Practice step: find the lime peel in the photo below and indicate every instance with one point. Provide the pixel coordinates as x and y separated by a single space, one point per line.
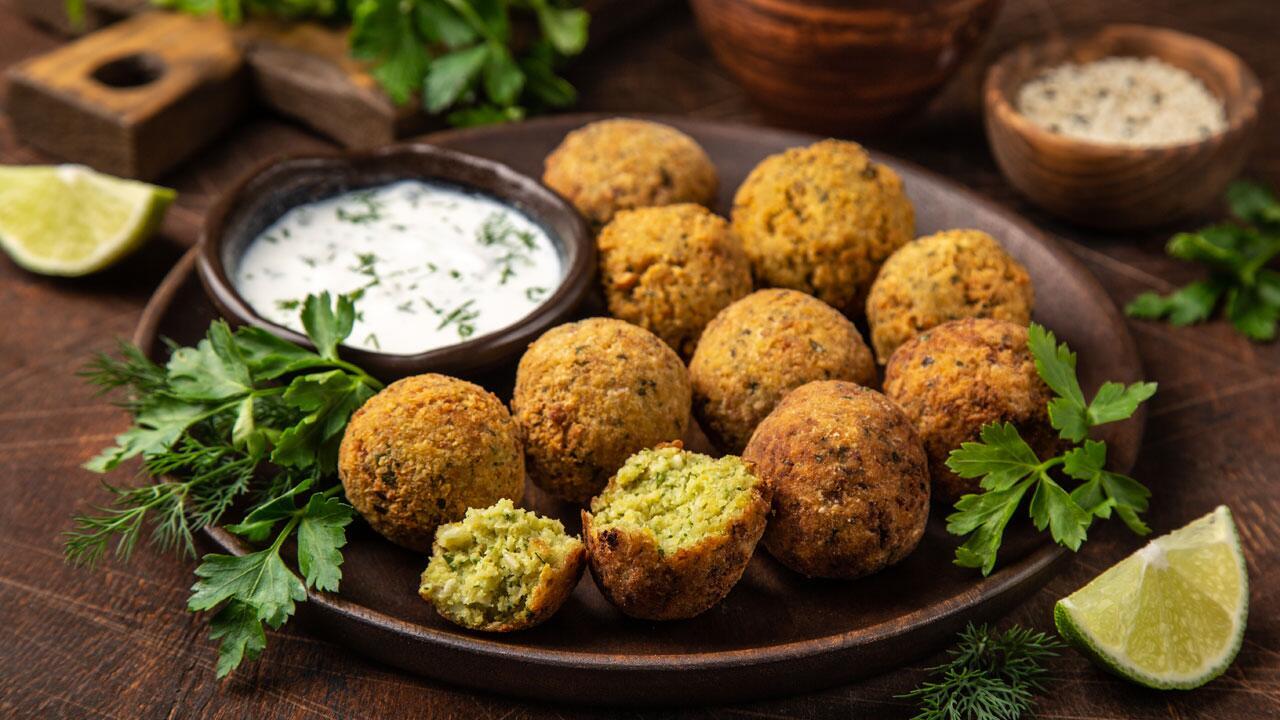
70 220
1169 616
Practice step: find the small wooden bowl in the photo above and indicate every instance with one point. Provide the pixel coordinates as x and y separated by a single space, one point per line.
843 66
1118 186
267 193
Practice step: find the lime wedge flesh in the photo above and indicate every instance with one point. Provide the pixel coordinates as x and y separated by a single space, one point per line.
1171 615
70 220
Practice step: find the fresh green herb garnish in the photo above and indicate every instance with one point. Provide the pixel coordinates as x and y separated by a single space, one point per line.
1009 468
241 413
463 317
991 676
458 55
368 209
497 231
293 304
1236 255
534 294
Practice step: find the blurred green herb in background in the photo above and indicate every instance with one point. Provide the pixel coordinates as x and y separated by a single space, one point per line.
462 58
1236 254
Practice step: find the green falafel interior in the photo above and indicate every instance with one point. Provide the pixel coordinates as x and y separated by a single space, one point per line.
679 497
486 570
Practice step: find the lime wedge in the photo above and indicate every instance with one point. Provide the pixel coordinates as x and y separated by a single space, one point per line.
70 220
1171 615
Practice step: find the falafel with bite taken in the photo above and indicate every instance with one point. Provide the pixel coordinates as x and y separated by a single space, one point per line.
422 451
850 480
623 164
671 269
822 219
591 393
960 376
762 347
949 275
673 531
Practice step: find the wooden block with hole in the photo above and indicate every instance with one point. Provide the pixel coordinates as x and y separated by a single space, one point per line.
133 99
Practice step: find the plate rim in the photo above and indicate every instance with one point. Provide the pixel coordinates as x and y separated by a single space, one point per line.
1006 581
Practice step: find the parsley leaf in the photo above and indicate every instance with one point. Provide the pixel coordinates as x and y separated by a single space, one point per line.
1009 468
321 535
451 75
326 324
1236 255
238 627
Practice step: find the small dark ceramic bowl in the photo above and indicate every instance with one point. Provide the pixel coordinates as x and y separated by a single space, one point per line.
263 196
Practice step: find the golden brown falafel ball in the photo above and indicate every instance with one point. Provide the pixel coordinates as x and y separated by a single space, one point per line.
422 451
589 394
762 347
960 376
850 480
945 276
622 164
822 219
671 269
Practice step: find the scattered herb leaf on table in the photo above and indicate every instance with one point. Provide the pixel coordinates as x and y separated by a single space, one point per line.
1236 254
240 414
1009 468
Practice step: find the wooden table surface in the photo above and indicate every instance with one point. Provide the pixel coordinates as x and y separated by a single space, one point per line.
116 642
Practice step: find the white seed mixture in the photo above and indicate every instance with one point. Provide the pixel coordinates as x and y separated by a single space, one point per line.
1123 100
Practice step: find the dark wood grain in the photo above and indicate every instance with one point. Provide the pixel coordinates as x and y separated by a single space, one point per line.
115 643
1114 186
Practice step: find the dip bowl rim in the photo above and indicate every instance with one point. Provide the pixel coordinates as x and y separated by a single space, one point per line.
354 169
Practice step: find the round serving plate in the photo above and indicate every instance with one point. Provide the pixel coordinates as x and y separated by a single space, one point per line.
776 633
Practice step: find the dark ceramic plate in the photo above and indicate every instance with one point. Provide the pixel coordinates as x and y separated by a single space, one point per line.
776 633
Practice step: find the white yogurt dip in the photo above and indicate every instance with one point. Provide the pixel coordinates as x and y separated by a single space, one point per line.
429 265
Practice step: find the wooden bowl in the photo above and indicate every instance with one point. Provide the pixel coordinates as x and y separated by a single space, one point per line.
843 66
263 196
1117 186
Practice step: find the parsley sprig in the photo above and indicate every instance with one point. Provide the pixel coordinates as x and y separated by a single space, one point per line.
1236 254
239 414
991 676
1009 468
459 55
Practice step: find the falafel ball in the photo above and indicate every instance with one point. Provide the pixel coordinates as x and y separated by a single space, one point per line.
850 480
945 276
961 375
622 164
422 451
673 531
671 269
822 219
762 347
589 394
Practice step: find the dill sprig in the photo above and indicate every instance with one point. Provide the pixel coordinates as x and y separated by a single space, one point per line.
991 676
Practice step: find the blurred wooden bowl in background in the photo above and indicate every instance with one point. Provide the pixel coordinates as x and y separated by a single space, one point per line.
843 66
1119 186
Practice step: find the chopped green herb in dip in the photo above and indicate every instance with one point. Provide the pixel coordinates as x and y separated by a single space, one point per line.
431 265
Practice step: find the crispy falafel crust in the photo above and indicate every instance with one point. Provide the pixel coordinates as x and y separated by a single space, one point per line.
945 276
633 575
961 375
671 269
554 588
622 164
760 348
822 219
588 395
850 480
422 451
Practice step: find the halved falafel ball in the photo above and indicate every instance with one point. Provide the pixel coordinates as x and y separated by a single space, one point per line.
422 451
946 276
501 569
622 164
850 480
760 348
588 395
673 531
960 376
671 269
822 219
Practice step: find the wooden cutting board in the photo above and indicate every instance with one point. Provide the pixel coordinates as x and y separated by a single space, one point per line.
136 97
